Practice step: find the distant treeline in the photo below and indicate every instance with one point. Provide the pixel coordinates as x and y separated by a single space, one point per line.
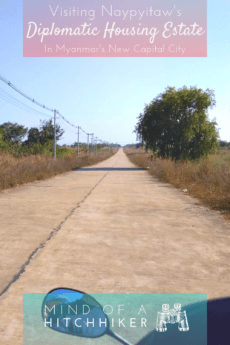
19 140
224 144
103 144
137 145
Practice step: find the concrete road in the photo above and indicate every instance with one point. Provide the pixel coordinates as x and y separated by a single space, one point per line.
111 230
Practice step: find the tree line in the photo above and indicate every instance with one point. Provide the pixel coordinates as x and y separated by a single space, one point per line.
18 139
38 139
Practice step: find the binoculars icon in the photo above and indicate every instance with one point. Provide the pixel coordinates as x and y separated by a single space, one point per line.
172 316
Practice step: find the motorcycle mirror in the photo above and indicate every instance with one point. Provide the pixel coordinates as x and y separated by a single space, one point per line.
74 312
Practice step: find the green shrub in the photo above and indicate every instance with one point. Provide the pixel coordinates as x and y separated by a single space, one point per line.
63 151
4 144
36 149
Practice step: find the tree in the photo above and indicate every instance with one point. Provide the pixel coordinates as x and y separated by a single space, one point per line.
43 134
13 132
33 136
4 144
47 131
175 124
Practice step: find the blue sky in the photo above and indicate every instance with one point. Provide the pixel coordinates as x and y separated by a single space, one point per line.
105 95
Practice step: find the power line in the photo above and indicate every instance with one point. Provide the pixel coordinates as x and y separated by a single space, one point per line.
83 130
66 120
71 123
15 102
23 94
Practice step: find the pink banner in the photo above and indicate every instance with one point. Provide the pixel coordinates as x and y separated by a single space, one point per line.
147 28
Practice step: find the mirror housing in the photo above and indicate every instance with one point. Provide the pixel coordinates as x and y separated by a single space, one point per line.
75 313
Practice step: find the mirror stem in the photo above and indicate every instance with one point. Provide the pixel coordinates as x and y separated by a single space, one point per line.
117 337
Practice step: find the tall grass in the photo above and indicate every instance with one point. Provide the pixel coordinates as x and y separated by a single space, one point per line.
207 180
19 170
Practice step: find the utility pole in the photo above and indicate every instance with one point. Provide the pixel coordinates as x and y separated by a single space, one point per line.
96 139
55 134
88 143
92 141
78 140
95 149
100 146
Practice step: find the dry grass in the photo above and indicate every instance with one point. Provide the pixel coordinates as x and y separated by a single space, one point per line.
19 170
207 180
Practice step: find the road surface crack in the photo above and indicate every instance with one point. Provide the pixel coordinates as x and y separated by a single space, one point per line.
51 235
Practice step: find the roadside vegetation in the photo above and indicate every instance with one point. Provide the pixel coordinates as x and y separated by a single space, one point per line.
180 146
23 161
208 179
15 171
